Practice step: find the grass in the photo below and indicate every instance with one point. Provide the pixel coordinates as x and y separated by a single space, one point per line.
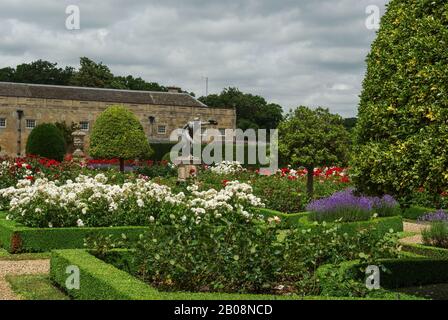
35 287
434 291
5 255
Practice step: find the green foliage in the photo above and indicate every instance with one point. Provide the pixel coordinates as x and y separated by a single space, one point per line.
427 251
436 235
312 138
249 256
252 111
102 281
39 72
402 128
117 133
157 170
46 140
17 238
67 131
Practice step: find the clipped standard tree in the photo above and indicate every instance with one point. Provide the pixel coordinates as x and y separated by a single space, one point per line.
312 138
117 134
402 132
46 140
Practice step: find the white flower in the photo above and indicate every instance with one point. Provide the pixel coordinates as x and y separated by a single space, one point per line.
151 219
140 203
80 223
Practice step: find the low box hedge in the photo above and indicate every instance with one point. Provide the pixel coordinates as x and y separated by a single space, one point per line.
415 212
383 225
426 251
400 273
16 238
102 281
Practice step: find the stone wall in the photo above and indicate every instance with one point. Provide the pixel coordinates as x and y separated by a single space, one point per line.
51 111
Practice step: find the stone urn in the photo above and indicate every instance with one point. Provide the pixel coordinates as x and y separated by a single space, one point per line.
78 143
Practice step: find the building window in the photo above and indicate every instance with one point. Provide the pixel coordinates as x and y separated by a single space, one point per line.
161 129
2 122
84 125
30 123
222 132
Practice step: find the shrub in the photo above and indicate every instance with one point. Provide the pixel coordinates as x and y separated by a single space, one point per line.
347 206
313 138
164 170
46 140
239 253
117 133
402 127
439 215
436 235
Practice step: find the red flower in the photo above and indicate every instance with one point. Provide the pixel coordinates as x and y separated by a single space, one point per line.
225 182
29 178
345 179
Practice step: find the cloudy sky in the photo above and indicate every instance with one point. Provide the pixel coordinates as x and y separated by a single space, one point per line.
293 52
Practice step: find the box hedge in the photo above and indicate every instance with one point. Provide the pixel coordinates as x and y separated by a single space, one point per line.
426 251
17 238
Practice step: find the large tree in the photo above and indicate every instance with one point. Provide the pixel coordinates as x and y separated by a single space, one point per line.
402 131
312 138
252 111
117 134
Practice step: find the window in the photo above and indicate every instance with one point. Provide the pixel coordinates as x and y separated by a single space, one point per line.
30 123
2 122
161 129
84 125
222 132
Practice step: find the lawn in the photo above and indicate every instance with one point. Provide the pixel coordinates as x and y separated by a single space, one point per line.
35 287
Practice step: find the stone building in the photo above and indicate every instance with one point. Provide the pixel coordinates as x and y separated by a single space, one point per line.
23 106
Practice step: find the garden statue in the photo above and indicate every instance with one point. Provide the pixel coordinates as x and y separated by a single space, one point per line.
187 163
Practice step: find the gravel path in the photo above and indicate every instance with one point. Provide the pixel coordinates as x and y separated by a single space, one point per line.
24 267
413 227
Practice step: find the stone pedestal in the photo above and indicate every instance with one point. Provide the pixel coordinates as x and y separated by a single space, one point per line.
186 167
78 143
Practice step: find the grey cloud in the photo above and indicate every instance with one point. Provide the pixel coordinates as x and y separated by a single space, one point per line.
291 52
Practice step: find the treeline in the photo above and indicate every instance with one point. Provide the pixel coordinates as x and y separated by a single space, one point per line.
252 111
89 74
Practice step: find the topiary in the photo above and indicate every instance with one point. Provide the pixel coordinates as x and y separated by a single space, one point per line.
402 131
46 140
117 133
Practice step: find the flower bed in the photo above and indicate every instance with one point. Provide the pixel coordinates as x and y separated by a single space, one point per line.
103 281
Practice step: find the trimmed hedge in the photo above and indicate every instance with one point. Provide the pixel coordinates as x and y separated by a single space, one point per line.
426 251
17 238
301 220
415 212
102 281
401 273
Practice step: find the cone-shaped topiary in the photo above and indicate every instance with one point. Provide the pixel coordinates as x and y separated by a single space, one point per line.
117 134
46 140
402 132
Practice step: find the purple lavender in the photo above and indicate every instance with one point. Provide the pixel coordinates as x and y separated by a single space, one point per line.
437 216
347 206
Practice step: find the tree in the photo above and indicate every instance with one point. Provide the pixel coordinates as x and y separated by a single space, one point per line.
402 130
46 140
92 74
252 111
117 133
38 72
312 138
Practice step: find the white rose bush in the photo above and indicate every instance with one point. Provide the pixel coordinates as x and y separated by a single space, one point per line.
93 202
